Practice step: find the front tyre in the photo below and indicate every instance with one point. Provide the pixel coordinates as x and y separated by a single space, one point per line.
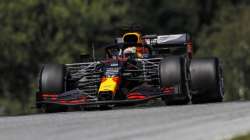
52 80
173 73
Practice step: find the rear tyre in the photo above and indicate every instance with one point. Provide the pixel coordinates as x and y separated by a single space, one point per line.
52 80
173 73
206 80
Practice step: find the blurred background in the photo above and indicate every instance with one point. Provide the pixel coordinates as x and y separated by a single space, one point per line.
34 32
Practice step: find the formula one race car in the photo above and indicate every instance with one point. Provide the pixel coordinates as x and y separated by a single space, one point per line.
137 68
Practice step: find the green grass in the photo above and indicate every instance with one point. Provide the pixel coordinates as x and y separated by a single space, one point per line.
243 137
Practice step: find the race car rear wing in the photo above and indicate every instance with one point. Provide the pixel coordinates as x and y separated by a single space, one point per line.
174 39
178 44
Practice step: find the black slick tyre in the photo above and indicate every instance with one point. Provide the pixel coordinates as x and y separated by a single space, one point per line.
173 73
52 80
206 80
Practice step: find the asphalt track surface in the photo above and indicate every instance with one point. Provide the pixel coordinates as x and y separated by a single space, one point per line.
190 122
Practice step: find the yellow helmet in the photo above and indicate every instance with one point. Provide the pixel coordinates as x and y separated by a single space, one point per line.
132 37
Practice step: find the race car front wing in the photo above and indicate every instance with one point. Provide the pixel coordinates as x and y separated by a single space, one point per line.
77 98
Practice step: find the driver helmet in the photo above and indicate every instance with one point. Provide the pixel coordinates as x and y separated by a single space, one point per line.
135 45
